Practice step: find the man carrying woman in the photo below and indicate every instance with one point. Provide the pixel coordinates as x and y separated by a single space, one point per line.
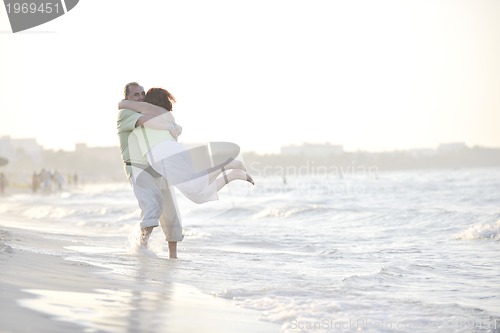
174 161
156 200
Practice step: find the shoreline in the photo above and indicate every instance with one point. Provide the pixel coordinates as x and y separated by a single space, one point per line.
44 292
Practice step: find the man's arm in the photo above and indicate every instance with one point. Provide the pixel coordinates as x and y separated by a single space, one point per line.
152 116
161 122
141 107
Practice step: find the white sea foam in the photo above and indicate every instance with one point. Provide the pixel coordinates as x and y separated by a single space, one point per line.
388 254
481 231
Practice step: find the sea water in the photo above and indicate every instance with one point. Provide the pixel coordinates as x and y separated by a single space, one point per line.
412 251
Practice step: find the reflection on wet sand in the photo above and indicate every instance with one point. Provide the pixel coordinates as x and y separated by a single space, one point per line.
150 302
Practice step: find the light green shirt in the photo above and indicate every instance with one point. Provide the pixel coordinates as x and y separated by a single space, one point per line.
134 147
147 137
130 149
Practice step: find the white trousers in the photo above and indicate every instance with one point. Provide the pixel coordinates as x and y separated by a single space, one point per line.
173 161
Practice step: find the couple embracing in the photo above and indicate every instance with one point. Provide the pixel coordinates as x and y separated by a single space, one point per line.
155 162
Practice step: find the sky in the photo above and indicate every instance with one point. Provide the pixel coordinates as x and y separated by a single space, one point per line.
368 75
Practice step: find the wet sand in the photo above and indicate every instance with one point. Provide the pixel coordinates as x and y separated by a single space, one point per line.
41 291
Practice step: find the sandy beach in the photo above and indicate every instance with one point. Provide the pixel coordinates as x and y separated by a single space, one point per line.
403 252
41 291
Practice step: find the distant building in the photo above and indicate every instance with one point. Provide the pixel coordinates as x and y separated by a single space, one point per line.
312 149
80 147
422 152
96 162
99 156
452 147
20 149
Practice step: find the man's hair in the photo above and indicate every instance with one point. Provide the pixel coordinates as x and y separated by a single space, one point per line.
160 97
128 85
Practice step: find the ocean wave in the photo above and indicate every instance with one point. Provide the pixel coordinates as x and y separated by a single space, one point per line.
193 233
82 204
294 313
379 315
480 231
42 212
293 211
235 212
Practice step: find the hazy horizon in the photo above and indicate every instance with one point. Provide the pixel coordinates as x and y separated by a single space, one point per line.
374 76
345 149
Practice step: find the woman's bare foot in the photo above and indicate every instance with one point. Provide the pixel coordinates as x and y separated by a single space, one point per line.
233 175
250 179
240 174
235 164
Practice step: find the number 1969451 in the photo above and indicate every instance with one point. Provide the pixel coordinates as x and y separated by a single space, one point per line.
32 8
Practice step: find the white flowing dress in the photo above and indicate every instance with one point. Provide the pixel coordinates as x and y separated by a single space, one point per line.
173 161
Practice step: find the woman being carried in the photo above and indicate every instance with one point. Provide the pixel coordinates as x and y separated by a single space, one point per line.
174 161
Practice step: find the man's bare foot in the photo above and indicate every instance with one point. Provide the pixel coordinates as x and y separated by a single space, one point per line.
172 250
145 233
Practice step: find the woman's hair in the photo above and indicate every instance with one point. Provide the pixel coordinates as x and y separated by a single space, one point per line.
160 97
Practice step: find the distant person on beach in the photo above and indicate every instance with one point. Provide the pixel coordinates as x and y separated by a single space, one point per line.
156 200
58 179
45 181
3 183
35 181
172 160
